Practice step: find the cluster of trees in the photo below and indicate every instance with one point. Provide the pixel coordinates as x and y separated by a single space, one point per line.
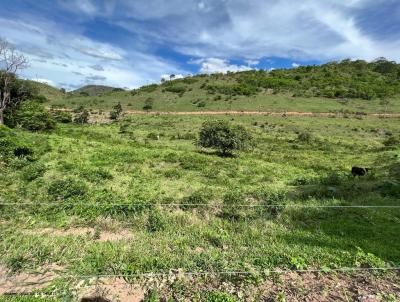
345 79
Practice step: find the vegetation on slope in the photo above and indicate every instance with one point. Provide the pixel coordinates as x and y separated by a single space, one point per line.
46 91
347 85
120 177
94 90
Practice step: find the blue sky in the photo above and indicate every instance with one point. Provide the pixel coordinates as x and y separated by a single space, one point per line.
125 43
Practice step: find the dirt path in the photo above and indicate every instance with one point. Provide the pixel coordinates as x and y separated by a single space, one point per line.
236 112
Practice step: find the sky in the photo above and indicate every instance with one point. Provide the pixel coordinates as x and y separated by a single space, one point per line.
129 43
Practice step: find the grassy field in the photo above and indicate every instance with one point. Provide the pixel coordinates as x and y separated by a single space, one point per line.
190 100
179 207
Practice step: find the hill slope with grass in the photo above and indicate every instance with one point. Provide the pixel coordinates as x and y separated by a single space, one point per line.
49 92
94 90
355 86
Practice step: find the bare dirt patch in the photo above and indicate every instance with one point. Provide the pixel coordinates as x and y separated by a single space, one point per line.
97 235
111 289
26 282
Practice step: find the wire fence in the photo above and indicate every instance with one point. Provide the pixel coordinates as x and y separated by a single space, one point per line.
203 205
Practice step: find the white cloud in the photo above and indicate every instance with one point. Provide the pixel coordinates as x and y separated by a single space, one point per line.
216 65
44 81
295 65
70 58
301 30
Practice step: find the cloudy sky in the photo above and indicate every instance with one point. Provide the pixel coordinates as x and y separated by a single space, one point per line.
128 43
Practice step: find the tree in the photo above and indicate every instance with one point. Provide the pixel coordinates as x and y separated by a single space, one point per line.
116 112
81 115
224 137
148 104
10 63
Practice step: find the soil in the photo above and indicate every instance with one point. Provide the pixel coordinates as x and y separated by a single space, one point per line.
288 286
89 232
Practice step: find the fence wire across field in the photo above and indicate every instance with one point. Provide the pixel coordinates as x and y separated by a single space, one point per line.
202 205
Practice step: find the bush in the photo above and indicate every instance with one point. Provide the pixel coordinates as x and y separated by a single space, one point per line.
33 171
273 200
116 112
231 201
180 89
305 137
31 116
196 199
148 104
81 116
62 189
224 137
156 221
62 117
392 141
96 175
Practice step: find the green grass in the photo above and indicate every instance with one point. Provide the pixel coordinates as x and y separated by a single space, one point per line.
196 97
84 173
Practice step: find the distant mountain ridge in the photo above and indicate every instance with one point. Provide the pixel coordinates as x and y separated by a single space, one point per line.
94 90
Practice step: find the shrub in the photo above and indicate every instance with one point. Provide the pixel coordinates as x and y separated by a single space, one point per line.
156 221
231 201
62 117
116 112
180 89
31 116
33 171
148 104
196 199
392 141
96 175
62 189
81 116
201 104
272 198
224 137
305 137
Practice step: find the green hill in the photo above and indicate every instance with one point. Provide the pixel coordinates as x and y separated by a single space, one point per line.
49 92
346 85
94 90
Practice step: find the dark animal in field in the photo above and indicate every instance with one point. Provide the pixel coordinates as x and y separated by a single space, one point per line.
359 171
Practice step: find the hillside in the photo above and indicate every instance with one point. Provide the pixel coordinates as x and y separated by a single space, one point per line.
345 86
50 92
93 90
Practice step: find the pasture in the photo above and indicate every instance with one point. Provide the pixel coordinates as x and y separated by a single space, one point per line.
138 196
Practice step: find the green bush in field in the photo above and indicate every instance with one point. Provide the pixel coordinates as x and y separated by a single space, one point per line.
392 141
81 116
231 204
11 147
156 221
196 199
176 89
32 116
62 189
116 112
96 175
148 104
224 137
304 136
33 171
62 117
271 199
